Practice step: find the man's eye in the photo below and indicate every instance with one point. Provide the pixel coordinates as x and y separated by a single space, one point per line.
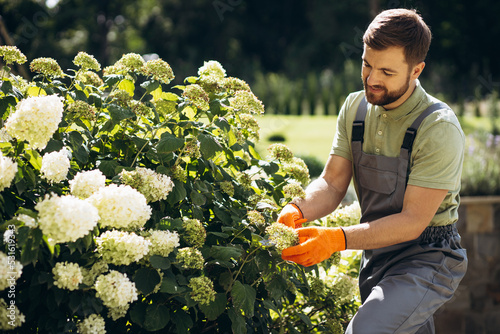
388 74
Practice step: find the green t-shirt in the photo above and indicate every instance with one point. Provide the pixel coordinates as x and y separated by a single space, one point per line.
437 156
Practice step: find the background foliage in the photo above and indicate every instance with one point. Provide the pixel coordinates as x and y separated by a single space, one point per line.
286 37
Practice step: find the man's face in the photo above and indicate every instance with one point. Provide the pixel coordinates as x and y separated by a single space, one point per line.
387 77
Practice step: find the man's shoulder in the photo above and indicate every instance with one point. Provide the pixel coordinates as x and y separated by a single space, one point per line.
444 114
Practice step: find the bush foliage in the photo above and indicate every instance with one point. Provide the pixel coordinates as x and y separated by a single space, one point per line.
146 207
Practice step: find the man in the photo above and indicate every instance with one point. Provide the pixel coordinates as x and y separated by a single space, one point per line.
407 182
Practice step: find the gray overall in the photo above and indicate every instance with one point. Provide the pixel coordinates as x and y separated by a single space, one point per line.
403 285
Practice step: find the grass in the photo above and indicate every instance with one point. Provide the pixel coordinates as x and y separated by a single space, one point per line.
305 135
313 135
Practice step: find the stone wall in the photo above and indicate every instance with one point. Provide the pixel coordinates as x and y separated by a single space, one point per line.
475 308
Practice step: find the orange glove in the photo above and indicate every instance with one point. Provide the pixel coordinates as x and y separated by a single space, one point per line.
316 244
291 216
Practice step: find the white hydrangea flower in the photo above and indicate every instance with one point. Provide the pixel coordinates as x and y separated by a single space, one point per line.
152 185
116 313
4 136
27 220
66 218
282 236
9 268
8 170
115 289
89 275
345 216
121 207
5 321
84 184
35 120
212 68
55 166
67 275
162 242
93 324
121 248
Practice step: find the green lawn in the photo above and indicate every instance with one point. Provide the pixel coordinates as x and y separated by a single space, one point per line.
305 135
312 135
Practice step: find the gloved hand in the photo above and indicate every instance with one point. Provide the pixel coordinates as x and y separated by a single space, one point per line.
291 216
316 244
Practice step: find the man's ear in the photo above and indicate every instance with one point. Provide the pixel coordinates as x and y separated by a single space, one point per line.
417 70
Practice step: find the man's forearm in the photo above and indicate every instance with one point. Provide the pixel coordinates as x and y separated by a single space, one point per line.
321 199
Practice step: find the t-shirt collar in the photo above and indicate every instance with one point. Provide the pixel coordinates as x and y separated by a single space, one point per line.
406 107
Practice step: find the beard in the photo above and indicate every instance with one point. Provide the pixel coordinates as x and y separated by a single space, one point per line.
386 97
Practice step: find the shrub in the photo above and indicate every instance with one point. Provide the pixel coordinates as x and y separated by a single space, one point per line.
153 213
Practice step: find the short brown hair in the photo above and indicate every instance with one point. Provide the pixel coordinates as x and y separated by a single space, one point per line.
400 27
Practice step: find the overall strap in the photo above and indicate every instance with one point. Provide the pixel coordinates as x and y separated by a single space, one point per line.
358 126
411 132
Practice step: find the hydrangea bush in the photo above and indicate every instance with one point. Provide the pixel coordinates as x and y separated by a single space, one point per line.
129 206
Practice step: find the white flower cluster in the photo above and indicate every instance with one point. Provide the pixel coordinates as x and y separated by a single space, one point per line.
89 275
121 207
121 248
162 242
93 324
66 218
84 184
9 268
152 185
7 314
27 220
212 68
115 289
55 166
345 216
194 232
282 236
36 119
4 136
8 170
335 283
202 290
67 275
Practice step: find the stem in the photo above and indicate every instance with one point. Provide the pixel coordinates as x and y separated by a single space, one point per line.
244 262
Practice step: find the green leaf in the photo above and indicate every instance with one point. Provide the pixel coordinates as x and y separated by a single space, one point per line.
238 324
6 87
244 298
177 194
191 80
138 313
208 145
160 262
139 142
305 319
214 309
112 79
81 154
182 321
5 102
150 85
127 86
169 285
169 143
107 167
75 139
197 198
118 113
225 253
157 317
146 280
276 287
